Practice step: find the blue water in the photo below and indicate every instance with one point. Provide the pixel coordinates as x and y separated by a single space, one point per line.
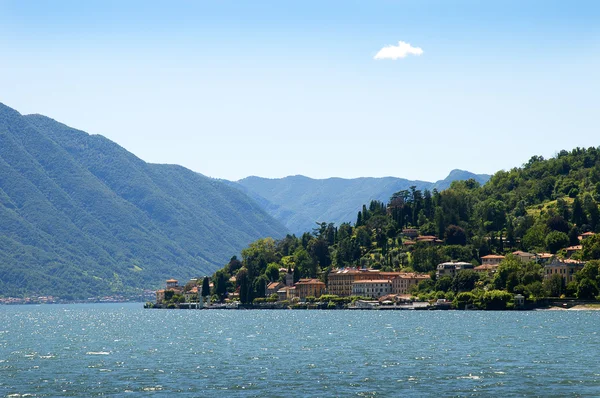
122 349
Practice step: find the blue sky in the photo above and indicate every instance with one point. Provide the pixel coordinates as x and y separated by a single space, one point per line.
276 88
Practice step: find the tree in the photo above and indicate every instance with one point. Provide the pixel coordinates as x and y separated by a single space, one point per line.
587 289
455 235
233 265
556 241
272 272
220 283
464 281
205 287
496 300
591 247
554 285
243 281
558 223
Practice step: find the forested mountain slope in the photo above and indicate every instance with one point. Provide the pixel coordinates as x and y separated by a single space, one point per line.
299 202
80 216
546 211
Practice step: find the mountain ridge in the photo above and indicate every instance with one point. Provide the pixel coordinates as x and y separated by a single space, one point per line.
79 208
333 199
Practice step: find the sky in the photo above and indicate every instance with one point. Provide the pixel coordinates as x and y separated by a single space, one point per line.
347 89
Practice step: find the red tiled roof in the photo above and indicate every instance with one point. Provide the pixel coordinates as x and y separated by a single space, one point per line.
493 256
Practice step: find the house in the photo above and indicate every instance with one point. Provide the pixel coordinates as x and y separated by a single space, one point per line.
192 295
544 258
491 259
160 296
273 287
172 283
565 268
524 256
172 288
573 249
309 288
429 239
402 283
487 268
372 288
286 293
585 235
450 268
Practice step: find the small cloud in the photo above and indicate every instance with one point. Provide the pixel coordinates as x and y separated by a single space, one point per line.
400 51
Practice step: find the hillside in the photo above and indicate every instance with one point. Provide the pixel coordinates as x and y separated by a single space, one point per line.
535 228
299 202
80 216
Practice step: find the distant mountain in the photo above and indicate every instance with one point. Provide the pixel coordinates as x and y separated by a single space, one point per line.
459 175
299 202
80 216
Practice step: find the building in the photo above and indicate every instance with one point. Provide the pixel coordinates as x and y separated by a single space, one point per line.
172 283
172 286
524 256
487 268
339 281
286 293
491 259
402 283
309 288
585 235
450 268
565 268
573 249
273 287
429 239
544 258
372 288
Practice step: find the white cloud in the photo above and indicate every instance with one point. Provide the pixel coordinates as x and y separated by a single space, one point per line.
400 51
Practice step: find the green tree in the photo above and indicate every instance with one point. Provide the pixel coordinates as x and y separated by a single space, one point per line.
272 272
591 247
205 287
556 240
455 235
464 281
587 289
220 283
554 286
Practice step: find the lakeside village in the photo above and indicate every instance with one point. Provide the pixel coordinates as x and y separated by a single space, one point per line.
356 288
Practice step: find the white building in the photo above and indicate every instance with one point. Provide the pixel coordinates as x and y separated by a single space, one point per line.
374 288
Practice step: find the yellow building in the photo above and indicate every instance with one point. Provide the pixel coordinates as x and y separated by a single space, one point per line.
401 284
309 288
565 268
491 259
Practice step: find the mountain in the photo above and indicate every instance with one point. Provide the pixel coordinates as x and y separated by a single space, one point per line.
80 216
299 202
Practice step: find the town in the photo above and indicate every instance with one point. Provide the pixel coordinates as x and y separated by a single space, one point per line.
363 288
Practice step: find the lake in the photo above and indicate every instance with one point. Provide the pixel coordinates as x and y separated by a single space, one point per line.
122 349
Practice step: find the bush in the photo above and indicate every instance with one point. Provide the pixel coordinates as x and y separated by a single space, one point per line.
496 300
463 299
331 305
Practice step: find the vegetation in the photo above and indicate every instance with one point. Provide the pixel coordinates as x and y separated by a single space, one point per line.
81 217
541 207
